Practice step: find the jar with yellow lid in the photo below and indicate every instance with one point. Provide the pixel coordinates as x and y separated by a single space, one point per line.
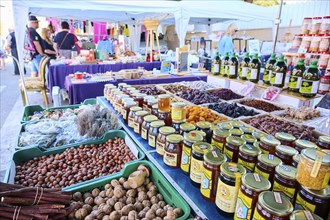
131 115
248 156
153 132
236 124
258 135
285 181
166 117
210 174
115 97
146 125
304 144
151 102
126 110
202 133
179 111
219 138
189 139
225 126
161 138
112 94
235 132
315 201
122 107
252 185
125 87
266 166
145 101
164 102
314 169
246 130
197 159
324 142
268 144
272 205
248 138
229 184
285 153
121 85
285 138
186 128
304 215
173 150
295 160
232 147
118 101
138 121
130 90
176 125
154 110
138 98
133 93
206 127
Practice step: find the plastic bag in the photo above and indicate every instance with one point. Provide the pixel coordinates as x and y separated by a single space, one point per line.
271 93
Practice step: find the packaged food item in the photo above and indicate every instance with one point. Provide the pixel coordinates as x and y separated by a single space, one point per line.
310 81
219 138
186 128
244 66
305 43
153 132
164 102
324 44
235 132
176 125
325 26
297 41
268 144
295 160
216 63
138 121
151 102
131 115
145 101
316 23
173 150
258 134
248 156
271 93
146 125
161 138
296 76
285 181
304 215
314 169
232 147
324 85
254 69
138 98
225 67
277 77
205 127
315 44
179 111
324 142
225 126
233 67
189 139
304 144
121 85
248 138
246 130
306 26
166 117
285 138
285 153
266 166
154 110
126 110
269 68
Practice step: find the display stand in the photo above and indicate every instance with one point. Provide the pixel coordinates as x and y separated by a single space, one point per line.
152 26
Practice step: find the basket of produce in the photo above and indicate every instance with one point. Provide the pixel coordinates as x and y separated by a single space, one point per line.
232 110
262 105
73 164
225 94
139 191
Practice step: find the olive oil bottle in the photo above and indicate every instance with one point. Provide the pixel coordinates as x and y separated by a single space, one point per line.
269 68
244 66
310 81
277 77
225 66
216 63
233 67
254 69
296 76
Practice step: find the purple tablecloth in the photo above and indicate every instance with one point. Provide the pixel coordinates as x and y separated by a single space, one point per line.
78 92
57 73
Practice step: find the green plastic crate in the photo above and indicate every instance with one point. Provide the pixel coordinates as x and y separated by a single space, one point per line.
24 155
171 196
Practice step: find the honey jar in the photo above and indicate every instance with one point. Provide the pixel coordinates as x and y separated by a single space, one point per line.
121 85
161 138
173 150
146 125
154 110
246 130
225 126
131 115
285 138
304 144
164 103
324 142
179 111
202 133
304 215
232 147
153 132
236 124
285 153
138 120
285 181
130 90
189 139
248 156
166 117
126 110
268 144
258 135
138 98
235 132
124 100
118 101
295 160
152 102
145 101
219 138
176 125
248 138
186 128
266 166
206 127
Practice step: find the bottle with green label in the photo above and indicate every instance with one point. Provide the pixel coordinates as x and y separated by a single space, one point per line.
277 77
269 68
244 66
233 67
225 66
310 81
215 68
254 69
296 76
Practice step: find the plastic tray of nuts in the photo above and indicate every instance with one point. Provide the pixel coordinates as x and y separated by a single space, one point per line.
170 195
22 156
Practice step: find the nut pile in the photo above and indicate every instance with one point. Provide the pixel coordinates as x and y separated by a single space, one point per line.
173 88
197 97
301 114
232 110
226 94
56 114
271 125
151 90
200 85
74 165
258 104
198 113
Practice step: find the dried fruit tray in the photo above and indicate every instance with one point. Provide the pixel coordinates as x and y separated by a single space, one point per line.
263 101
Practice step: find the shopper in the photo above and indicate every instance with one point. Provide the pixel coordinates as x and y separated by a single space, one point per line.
12 49
48 43
64 41
38 44
226 42
2 54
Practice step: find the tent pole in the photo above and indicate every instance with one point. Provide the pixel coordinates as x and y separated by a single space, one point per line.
277 22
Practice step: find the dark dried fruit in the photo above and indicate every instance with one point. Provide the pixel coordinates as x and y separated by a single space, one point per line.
265 106
226 94
232 110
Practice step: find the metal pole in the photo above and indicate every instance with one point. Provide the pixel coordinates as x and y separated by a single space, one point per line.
277 22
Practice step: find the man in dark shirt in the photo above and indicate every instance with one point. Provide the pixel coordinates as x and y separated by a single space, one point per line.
38 43
12 48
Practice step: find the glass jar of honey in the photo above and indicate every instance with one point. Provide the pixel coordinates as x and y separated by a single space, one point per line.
164 103
178 111
295 160
304 215
173 150
176 125
285 181
232 147
258 135
252 185
131 115
219 138
126 110
130 90
248 156
161 139
186 128
115 97
151 102
146 125
122 106
236 124
225 126
285 138
112 94
145 101
166 117
285 153
324 142
118 101
138 98
248 138
266 166
138 120
304 144
121 85
210 174
189 139
235 132
246 130
153 132
197 159
268 144
154 110
203 134
125 87
206 127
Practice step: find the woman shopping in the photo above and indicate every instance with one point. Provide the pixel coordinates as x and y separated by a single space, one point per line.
226 42
48 44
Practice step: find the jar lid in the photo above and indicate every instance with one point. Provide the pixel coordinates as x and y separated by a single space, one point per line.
275 203
269 159
286 171
307 18
124 96
283 149
187 127
201 133
305 144
284 136
155 106
270 140
236 124
179 104
248 138
255 182
317 18
127 99
314 154
230 169
214 158
166 130
323 193
193 137
122 84
164 96
203 125
250 149
135 108
235 132
148 97
141 113
174 138
140 95
130 103
157 124
225 126
296 158
134 92
201 147
221 133
152 102
258 134
304 215
150 118
246 130
325 139
237 141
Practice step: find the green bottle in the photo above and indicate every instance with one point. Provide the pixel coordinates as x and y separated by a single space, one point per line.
269 68
216 65
225 66
254 69
233 67
310 81
277 77
296 76
244 66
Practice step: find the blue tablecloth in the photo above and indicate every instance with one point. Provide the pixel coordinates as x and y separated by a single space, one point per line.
78 92
57 73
